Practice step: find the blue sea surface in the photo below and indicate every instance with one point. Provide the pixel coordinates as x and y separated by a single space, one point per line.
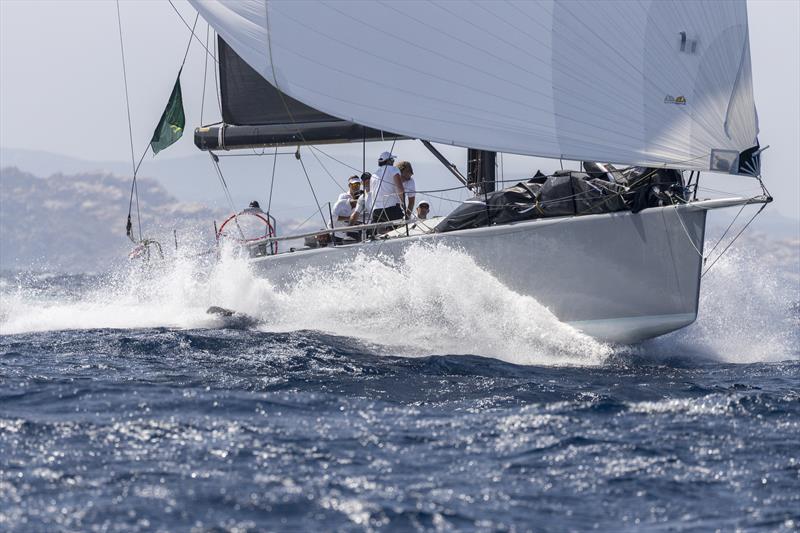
175 428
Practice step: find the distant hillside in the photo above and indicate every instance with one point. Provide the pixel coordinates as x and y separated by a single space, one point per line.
189 179
76 223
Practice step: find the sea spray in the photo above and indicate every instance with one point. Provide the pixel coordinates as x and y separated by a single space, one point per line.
432 300
748 312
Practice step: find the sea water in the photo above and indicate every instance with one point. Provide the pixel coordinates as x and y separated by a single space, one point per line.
419 394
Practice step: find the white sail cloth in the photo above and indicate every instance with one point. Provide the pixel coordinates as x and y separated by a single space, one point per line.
645 82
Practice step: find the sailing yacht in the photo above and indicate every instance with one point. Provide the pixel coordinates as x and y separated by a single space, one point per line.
658 85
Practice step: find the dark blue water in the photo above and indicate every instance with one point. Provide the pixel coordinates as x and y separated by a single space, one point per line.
154 429
124 407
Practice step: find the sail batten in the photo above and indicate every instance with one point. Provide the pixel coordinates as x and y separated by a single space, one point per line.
646 82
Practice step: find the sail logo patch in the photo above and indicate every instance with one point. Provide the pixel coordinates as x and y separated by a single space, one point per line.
677 100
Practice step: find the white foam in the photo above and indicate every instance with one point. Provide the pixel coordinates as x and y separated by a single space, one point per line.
434 301
748 310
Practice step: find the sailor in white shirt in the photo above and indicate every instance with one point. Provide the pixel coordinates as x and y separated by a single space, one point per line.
409 186
386 190
361 213
343 208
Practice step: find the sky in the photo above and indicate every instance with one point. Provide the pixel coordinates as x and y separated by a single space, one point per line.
62 90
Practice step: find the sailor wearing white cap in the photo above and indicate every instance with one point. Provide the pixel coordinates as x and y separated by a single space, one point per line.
362 213
387 190
423 208
343 207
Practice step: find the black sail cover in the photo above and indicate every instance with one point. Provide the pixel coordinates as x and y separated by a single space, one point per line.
565 193
255 113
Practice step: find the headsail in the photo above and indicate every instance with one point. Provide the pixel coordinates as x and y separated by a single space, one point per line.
646 82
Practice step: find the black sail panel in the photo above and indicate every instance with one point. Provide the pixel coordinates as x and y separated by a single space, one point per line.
255 113
250 100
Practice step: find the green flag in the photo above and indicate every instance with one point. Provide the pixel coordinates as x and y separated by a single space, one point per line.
170 127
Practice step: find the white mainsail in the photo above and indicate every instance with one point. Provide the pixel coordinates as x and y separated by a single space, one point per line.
644 82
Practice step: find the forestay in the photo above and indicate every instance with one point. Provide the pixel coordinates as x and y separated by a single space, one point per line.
641 82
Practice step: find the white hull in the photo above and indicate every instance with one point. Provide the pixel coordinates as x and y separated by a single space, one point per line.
619 277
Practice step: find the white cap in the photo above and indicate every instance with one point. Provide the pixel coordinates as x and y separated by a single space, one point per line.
354 179
386 156
426 202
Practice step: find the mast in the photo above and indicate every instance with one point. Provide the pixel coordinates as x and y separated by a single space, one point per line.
481 170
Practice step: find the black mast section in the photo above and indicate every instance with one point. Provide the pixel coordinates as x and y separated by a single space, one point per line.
481 169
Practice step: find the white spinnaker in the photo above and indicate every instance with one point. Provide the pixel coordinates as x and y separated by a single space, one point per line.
636 82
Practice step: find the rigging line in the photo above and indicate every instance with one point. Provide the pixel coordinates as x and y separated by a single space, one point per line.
443 190
205 75
272 181
444 198
326 169
192 30
189 44
324 222
138 213
227 193
286 106
139 164
135 192
733 241
303 223
726 230
337 160
127 99
134 165
686 231
720 191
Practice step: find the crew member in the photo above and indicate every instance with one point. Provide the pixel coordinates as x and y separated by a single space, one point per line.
387 189
409 186
254 207
343 208
423 209
361 213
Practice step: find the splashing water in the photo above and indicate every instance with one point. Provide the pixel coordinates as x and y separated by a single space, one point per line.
749 312
434 300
